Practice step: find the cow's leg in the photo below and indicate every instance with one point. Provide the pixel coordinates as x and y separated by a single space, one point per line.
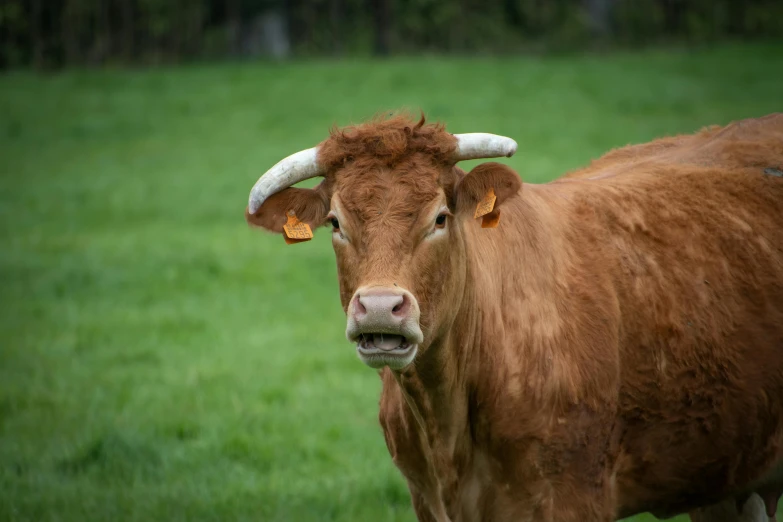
754 510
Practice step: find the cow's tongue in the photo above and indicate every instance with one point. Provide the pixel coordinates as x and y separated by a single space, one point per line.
386 342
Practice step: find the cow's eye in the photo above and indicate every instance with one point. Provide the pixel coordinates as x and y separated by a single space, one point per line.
335 224
440 222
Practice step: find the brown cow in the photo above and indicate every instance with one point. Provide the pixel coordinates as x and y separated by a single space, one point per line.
613 345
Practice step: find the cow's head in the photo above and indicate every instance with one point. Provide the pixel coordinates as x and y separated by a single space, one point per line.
398 209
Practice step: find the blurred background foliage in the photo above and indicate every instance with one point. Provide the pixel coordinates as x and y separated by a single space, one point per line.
56 33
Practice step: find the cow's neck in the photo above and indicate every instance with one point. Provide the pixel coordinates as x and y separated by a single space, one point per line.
439 389
504 269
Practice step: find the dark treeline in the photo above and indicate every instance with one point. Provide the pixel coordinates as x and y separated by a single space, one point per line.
54 33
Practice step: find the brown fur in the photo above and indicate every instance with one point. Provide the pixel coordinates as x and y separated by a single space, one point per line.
386 142
614 346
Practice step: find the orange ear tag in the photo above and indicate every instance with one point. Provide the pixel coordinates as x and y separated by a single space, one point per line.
485 209
296 231
491 220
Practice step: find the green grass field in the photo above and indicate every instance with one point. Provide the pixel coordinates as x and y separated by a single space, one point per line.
161 361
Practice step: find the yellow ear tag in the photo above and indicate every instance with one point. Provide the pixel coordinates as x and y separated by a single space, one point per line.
486 205
484 209
491 220
295 230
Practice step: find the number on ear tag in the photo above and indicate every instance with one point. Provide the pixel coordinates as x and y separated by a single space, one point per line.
296 231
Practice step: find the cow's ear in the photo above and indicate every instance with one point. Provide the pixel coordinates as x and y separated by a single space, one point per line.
307 206
475 192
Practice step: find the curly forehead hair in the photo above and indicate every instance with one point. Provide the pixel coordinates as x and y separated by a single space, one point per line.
388 140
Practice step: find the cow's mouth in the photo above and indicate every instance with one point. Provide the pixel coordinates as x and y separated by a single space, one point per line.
379 349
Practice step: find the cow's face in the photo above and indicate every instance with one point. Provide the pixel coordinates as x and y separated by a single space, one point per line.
400 258
399 235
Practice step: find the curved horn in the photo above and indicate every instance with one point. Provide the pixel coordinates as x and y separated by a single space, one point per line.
286 172
478 145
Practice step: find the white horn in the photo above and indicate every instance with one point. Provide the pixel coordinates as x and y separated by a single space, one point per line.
478 145
286 172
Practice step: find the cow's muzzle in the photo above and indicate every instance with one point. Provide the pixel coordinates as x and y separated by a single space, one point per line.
384 324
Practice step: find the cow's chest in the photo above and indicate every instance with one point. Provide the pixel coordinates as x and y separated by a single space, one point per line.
449 483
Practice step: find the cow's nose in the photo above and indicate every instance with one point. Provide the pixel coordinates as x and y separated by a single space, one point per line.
381 307
383 310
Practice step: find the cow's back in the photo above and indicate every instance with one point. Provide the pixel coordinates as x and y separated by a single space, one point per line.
692 230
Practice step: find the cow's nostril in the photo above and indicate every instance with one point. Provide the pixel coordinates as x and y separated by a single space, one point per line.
402 307
358 306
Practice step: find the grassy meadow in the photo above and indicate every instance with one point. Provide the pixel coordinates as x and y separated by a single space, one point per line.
161 361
